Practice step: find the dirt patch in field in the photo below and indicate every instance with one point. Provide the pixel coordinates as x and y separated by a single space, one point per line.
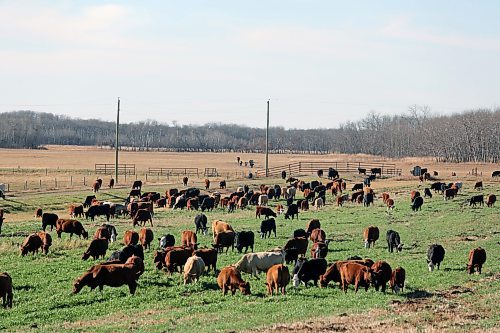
447 310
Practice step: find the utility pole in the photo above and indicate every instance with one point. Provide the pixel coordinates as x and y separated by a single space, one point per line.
116 140
267 141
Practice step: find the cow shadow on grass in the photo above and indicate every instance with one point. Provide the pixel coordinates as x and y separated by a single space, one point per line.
26 287
418 294
455 269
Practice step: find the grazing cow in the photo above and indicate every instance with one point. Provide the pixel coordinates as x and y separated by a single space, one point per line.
6 290
307 270
134 193
161 203
381 274
266 227
436 186
295 247
319 249
38 212
362 171
385 196
356 195
244 239
146 236
130 237
96 249
477 257
278 277
356 274
137 185
126 252
417 204
435 255
279 209
242 203
76 210
333 272
113 275
189 239
356 187
200 222
46 241
207 183
88 201
414 194
311 225
292 211
102 232
224 239
491 200
32 244
318 203
397 281
49 219
166 241
477 199
230 279
194 268
253 263
219 226
495 174
478 185
259 210
370 235
142 216
427 192
177 258
209 257
390 204
318 235
111 231
449 193
99 210
263 200
71 227
193 204
367 199
393 241
207 204
299 233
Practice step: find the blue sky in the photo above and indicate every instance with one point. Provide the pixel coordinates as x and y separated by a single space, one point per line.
320 63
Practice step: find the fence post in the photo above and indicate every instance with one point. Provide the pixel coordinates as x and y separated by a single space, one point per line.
40 184
26 185
55 182
84 184
71 181
46 171
8 187
146 178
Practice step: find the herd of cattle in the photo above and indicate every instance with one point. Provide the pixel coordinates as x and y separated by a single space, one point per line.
124 267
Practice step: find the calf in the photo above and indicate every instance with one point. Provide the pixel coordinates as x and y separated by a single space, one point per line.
130 237
356 274
277 279
193 269
417 204
6 290
477 257
230 279
491 200
209 257
307 270
46 241
185 181
435 255
266 227
189 239
397 281
49 219
113 275
224 239
32 244
166 241
381 274
244 239
356 195
71 227
393 241
259 210
390 204
96 249
477 199
292 211
38 213
370 236
146 236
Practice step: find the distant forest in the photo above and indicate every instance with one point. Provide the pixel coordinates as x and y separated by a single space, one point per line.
471 136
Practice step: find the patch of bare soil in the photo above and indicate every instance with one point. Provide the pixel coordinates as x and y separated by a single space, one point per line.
445 311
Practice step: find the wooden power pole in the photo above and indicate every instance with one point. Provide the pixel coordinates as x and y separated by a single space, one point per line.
116 140
267 141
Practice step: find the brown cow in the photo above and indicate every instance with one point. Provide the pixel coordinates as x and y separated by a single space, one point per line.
76 210
385 197
207 183
333 272
311 225
304 205
32 244
382 273
229 278
185 181
318 235
278 277
176 259
209 257
491 200
319 249
96 249
96 186
6 289
142 216
449 193
279 209
102 232
71 227
370 235
414 194
38 213
478 185
111 183
390 203
146 236
219 226
189 239
113 275
397 281
46 241
477 258
242 203
259 210
355 195
130 237
357 274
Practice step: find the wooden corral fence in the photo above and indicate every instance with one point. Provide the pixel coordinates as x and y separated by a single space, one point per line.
173 171
211 172
299 168
109 169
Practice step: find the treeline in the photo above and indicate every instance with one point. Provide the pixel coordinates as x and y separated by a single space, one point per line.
471 136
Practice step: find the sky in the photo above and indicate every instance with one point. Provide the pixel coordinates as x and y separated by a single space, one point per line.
319 63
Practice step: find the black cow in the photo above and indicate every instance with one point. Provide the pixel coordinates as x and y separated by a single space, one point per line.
393 241
127 252
88 201
307 270
427 193
192 192
435 255
358 186
266 227
180 203
200 221
292 211
283 174
477 199
166 241
244 239
417 204
98 210
495 174
277 192
362 171
436 186
368 199
49 219
299 233
376 171
222 184
332 173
